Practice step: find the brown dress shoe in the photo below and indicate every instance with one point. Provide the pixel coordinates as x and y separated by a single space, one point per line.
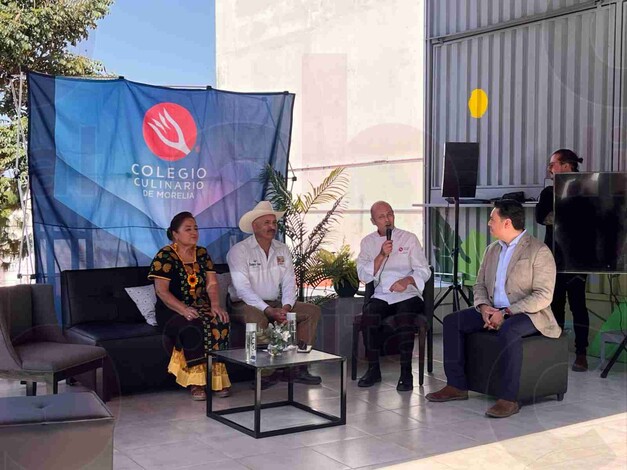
503 409
448 393
581 363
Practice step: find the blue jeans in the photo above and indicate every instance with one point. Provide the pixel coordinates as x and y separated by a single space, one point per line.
458 324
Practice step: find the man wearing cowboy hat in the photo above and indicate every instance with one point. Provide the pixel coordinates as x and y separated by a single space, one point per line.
263 285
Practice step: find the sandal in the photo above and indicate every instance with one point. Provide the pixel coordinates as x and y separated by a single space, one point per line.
225 392
198 393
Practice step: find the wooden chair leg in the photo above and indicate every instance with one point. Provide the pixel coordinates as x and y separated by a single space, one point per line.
421 354
355 349
31 389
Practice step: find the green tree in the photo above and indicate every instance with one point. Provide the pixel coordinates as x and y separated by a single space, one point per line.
10 220
35 35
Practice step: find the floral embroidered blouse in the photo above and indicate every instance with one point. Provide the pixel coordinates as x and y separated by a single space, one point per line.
187 280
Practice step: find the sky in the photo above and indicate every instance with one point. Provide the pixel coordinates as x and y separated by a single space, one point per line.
160 42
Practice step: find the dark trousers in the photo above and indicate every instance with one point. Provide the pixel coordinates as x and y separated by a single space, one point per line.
457 325
573 286
404 323
187 335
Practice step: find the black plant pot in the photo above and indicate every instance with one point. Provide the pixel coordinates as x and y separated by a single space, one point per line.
346 290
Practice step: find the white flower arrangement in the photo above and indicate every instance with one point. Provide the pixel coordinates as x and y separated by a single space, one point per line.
278 336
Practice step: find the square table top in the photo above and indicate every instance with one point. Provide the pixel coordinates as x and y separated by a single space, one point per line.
265 360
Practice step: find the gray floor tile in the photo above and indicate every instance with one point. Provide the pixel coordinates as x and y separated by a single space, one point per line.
304 393
205 427
139 435
439 413
223 465
426 441
354 406
383 422
175 455
488 429
241 445
365 451
327 435
302 459
122 462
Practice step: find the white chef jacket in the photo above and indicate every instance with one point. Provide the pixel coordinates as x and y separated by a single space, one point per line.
406 259
257 278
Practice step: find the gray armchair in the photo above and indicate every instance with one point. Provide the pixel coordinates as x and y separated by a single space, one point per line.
32 346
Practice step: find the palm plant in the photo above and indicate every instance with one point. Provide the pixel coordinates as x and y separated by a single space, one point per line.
306 242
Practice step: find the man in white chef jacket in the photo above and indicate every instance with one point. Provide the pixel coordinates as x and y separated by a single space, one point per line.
394 261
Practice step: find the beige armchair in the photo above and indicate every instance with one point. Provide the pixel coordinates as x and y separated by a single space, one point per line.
32 346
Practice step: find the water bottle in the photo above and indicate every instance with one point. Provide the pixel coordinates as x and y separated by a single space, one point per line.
291 328
251 342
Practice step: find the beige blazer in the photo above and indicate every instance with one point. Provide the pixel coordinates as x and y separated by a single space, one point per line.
529 282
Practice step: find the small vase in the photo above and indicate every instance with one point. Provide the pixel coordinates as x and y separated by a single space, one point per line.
274 350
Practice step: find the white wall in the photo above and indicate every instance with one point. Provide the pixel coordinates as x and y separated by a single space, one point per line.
357 70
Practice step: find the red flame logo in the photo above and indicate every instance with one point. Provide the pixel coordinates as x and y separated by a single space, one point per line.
169 131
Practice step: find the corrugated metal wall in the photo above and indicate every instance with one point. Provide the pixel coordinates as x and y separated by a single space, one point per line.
456 16
621 134
555 72
550 84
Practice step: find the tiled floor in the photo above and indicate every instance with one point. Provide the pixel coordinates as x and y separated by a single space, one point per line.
588 429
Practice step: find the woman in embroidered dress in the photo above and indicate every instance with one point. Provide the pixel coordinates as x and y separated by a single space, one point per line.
188 308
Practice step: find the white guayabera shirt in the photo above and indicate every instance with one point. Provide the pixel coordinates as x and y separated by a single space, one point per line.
257 278
407 259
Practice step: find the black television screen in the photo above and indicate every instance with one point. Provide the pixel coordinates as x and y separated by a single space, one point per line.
590 230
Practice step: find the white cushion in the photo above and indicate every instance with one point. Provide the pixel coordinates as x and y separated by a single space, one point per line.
145 299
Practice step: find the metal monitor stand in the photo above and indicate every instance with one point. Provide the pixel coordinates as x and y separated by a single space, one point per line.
456 288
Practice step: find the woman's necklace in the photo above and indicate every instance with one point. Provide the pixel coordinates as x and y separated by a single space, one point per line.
192 277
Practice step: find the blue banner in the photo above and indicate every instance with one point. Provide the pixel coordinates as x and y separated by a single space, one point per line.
112 161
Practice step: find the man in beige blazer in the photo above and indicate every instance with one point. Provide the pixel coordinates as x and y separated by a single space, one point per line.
513 296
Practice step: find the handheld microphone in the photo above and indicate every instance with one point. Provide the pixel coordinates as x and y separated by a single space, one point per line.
388 233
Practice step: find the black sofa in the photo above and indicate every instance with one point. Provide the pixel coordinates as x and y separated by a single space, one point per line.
98 311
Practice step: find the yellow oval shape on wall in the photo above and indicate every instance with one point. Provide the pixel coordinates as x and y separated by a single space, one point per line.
478 103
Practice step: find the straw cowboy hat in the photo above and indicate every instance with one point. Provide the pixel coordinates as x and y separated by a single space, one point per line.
261 209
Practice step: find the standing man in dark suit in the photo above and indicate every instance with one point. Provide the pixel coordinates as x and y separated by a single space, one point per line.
512 296
573 285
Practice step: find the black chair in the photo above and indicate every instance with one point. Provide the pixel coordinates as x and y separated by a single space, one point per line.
424 327
544 370
32 346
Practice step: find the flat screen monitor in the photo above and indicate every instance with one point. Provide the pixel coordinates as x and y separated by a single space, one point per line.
590 222
461 163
